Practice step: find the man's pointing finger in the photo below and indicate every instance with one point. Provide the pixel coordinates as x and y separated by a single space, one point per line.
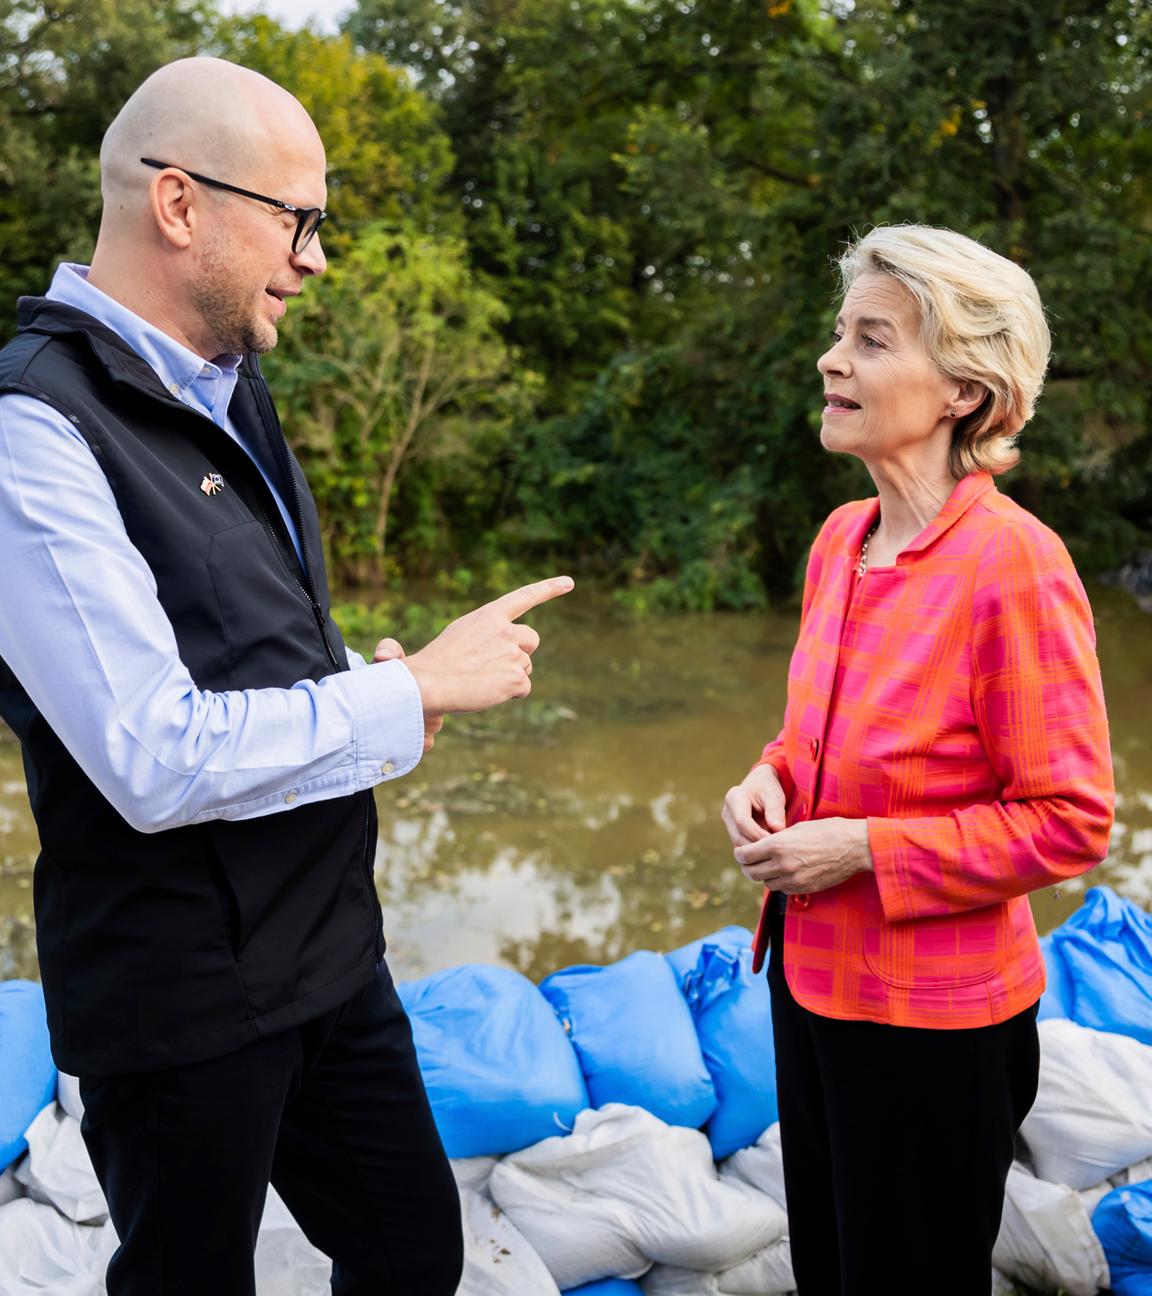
524 599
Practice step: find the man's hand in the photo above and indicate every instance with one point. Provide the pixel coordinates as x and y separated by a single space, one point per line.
811 856
483 658
390 650
754 809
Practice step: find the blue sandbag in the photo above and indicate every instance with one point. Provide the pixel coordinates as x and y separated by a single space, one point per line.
1123 1223
607 1287
635 1037
1103 954
500 1072
1057 996
27 1072
733 1012
684 959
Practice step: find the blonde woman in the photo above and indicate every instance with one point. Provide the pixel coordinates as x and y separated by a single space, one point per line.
944 752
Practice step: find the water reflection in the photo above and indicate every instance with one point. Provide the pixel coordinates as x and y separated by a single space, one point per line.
582 824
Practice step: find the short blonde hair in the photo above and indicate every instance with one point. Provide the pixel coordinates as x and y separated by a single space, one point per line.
980 319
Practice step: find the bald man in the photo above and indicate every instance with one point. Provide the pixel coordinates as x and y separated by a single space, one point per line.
201 747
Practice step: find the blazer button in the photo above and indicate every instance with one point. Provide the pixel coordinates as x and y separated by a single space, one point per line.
801 902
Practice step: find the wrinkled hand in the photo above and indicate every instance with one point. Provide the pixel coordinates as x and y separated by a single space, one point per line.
483 658
390 650
811 856
755 808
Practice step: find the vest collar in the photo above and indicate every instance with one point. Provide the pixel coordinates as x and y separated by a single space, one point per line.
121 362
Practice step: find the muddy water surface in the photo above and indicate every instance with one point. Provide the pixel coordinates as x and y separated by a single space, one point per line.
583 824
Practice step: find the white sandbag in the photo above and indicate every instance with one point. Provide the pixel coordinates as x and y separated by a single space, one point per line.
68 1095
766 1273
42 1252
1046 1238
10 1186
58 1169
623 1190
473 1172
498 1261
1090 1198
1092 1115
763 1274
760 1166
1141 1172
669 1280
287 1264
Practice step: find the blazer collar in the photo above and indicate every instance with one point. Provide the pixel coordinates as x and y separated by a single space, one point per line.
964 494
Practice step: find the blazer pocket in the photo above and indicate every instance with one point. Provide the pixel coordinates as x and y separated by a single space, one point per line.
940 953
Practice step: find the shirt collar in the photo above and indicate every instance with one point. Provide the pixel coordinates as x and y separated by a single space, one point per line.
176 365
964 494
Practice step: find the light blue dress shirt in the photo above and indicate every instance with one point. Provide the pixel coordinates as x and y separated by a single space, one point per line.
83 630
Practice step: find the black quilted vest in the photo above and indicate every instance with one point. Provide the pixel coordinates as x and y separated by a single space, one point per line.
158 949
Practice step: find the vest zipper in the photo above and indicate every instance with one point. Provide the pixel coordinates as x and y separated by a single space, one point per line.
280 449
290 567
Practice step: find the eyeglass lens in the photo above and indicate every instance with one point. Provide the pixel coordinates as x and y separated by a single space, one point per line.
308 222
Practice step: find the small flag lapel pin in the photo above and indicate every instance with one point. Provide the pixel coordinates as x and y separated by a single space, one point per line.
212 484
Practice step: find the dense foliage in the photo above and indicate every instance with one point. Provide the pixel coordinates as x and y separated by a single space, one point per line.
581 255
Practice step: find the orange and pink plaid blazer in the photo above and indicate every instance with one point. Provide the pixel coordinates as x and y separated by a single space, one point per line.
954 701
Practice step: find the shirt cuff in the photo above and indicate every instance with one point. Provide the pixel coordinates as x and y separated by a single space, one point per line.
388 719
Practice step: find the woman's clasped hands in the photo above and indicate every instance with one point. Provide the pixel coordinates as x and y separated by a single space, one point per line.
809 856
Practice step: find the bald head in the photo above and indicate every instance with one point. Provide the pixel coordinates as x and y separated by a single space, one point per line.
208 115
211 268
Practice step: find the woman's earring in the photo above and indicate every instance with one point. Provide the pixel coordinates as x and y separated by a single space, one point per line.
951 413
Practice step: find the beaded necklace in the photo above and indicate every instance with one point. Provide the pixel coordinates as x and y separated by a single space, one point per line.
862 561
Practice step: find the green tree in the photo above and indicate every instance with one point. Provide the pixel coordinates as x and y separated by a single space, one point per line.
395 352
388 157
65 69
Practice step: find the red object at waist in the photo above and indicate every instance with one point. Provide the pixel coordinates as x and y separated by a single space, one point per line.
760 940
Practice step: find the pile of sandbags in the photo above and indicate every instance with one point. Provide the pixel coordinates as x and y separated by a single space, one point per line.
1078 1215
1083 1146
614 1131
56 1237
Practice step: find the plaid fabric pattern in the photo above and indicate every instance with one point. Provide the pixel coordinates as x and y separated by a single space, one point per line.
954 701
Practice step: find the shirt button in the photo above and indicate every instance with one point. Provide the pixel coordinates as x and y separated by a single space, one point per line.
802 809
289 797
814 747
387 767
174 388
801 902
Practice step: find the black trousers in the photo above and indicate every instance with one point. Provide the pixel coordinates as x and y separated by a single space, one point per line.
897 1143
334 1113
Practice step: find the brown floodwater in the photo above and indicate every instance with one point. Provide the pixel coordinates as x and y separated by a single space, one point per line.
582 823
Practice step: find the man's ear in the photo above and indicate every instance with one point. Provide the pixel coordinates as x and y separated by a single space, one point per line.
173 208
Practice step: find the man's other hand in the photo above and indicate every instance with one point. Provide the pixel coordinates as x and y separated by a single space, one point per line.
390 650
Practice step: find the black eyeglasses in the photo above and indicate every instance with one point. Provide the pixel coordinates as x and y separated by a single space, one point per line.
308 219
